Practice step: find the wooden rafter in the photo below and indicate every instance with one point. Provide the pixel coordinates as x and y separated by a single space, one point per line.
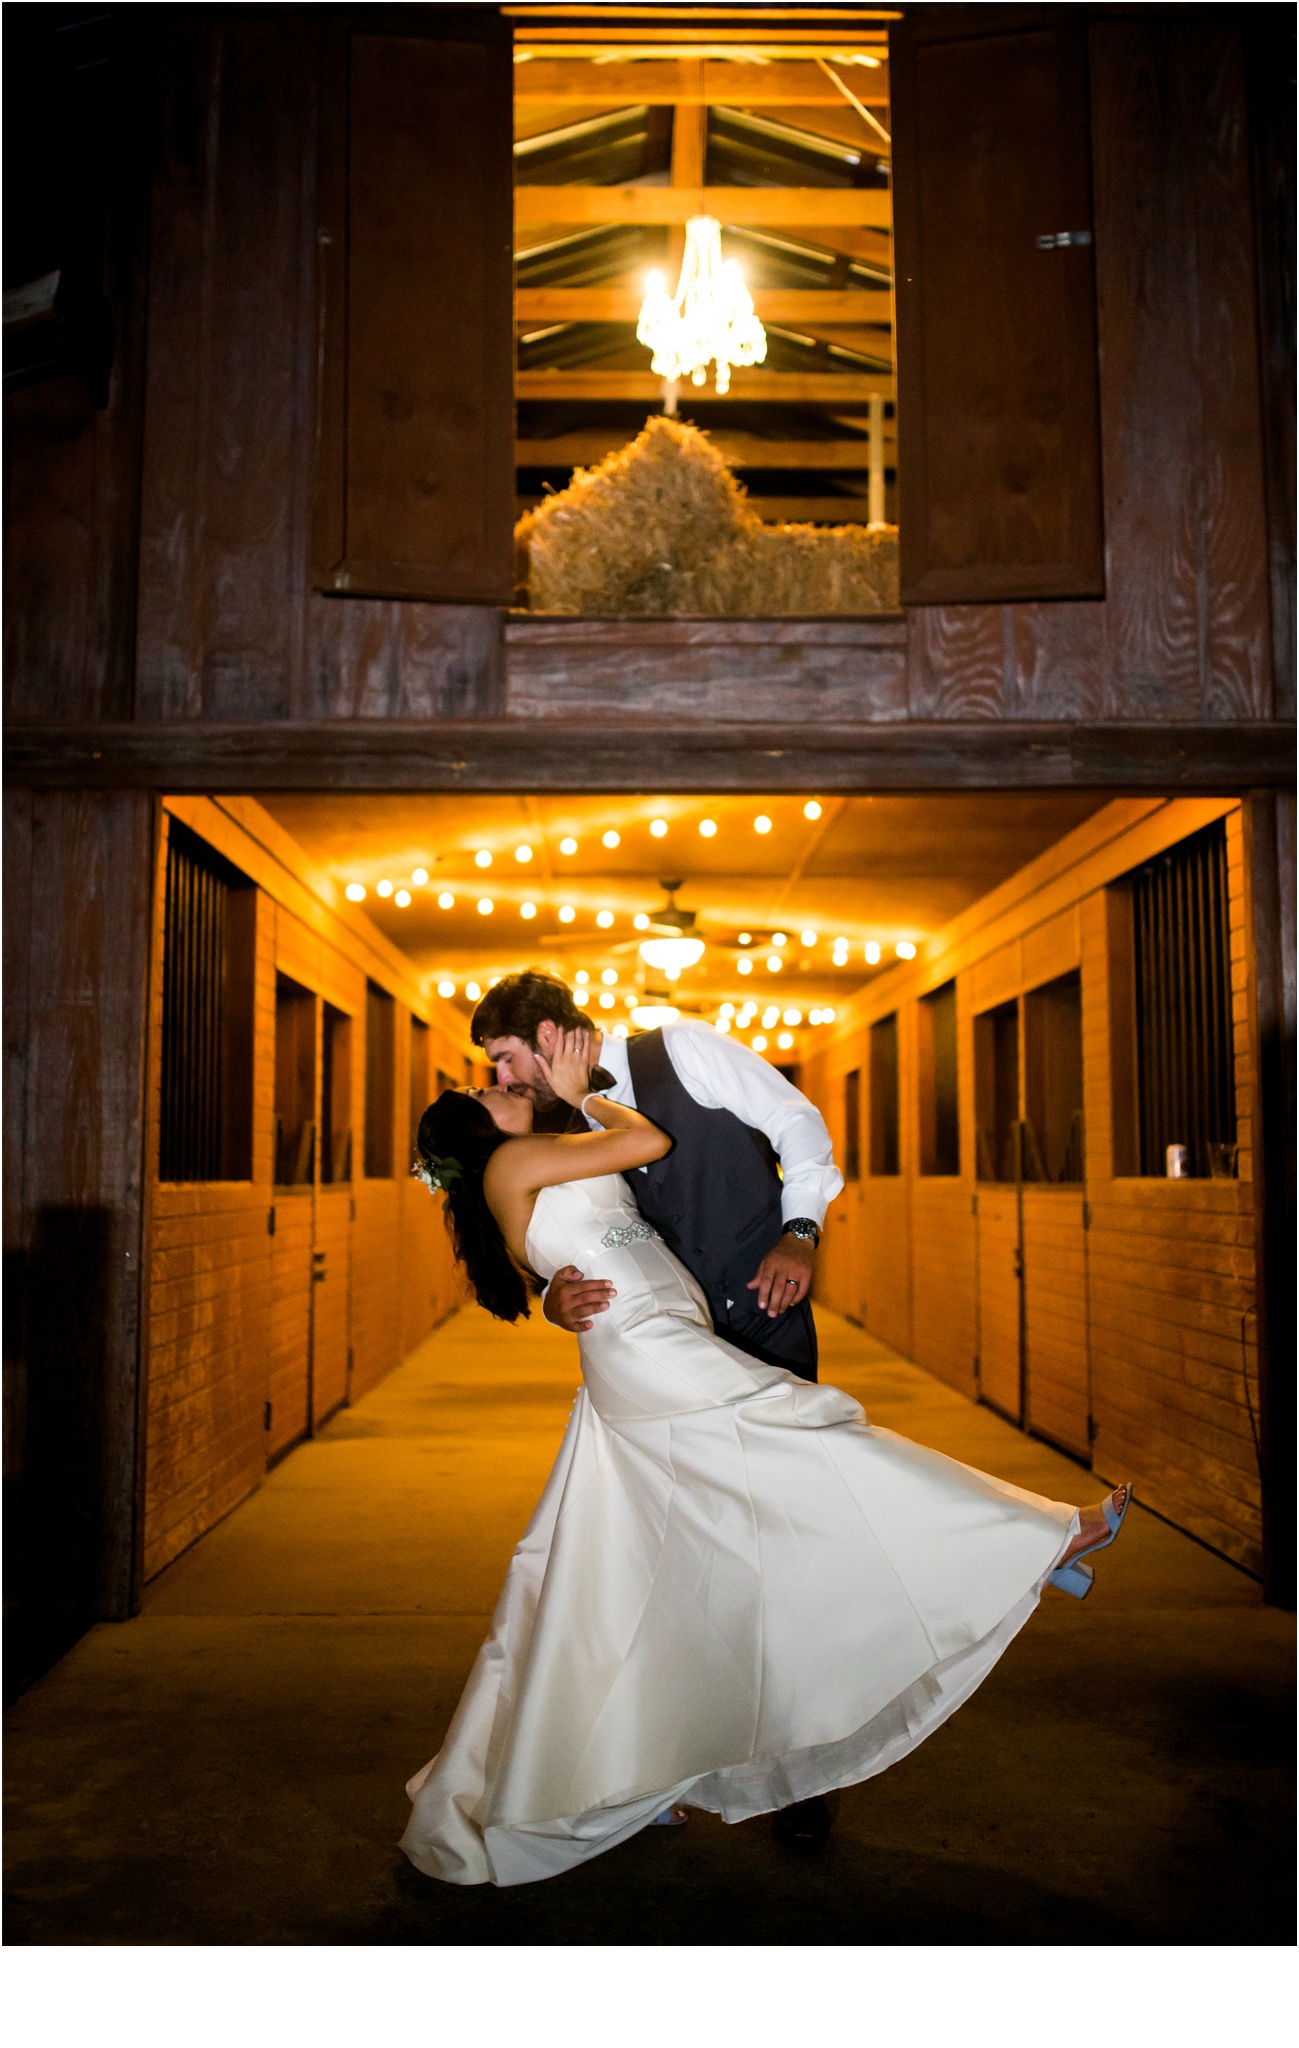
733 205
623 302
678 81
784 387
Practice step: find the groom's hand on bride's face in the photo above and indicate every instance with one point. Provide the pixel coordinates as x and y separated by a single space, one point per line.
785 1275
571 1300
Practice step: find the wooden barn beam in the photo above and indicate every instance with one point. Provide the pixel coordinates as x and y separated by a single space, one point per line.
1215 758
778 387
742 451
675 82
623 302
733 205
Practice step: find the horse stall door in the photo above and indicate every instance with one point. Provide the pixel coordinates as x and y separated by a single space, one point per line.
289 1378
1000 1255
331 1321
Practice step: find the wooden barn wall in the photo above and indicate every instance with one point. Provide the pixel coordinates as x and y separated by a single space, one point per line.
1146 1299
77 872
229 628
237 1370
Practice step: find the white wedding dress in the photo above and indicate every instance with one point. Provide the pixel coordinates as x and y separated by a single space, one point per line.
734 1593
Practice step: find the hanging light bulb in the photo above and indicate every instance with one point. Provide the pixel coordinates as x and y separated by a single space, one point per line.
710 318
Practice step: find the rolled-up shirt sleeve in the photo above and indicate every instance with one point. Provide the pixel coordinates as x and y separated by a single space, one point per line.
722 1074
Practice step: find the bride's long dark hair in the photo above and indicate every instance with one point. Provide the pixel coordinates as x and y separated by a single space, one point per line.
457 1128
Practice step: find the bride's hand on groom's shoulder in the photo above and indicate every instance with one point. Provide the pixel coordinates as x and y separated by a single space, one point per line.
568 1069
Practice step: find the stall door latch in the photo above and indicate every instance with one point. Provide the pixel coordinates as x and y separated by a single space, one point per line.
1077 238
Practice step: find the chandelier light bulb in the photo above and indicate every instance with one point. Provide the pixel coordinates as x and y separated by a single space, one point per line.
523 853
710 318
762 824
383 888
780 938
604 918
606 1001
355 892
473 991
527 910
658 828
568 846
785 1040
402 898
770 1017
759 1043
812 808
744 967
708 828
446 900
446 988
774 963
905 950
566 913
872 952
582 975
419 877
610 839
609 976
482 859
485 906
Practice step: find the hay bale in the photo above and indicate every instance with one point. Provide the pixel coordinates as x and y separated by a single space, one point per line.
663 527
623 534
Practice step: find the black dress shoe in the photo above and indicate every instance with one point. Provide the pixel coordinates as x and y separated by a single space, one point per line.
805 1827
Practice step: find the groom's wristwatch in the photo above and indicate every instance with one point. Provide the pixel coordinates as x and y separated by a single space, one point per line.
803 1226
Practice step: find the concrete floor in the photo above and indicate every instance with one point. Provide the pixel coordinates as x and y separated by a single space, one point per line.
228 1768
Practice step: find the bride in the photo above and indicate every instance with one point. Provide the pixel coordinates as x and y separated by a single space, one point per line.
734 1594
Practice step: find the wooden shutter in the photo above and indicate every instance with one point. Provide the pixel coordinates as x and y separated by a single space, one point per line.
415 469
998 404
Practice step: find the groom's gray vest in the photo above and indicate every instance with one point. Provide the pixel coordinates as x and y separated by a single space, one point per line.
715 1201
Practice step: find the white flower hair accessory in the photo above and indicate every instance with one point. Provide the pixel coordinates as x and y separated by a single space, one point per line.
437 1173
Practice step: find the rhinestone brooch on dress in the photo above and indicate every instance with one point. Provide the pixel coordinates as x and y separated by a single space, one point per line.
626 1233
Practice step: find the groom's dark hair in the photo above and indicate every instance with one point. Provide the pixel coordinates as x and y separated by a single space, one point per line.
519 1003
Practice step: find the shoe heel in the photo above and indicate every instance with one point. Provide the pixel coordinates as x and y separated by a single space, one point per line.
1073 1578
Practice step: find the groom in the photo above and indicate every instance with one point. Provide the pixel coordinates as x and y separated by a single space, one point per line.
748 1233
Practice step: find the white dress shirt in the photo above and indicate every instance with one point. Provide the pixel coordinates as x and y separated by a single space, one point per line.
722 1074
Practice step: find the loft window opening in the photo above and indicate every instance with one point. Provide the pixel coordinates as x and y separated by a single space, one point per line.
209 938
419 1073
996 1093
614 154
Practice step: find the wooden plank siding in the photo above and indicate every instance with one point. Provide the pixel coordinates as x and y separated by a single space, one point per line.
1138 1295
255 1336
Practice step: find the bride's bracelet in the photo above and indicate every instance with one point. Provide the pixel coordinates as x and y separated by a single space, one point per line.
589 1096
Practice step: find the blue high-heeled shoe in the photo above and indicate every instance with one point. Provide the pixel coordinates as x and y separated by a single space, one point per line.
671 1817
1078 1578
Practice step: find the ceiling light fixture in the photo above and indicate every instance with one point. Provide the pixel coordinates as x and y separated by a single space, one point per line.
872 952
355 892
527 910
482 859
566 913
811 808
604 918
905 950
744 967
759 1044
446 900
402 898
785 1040
446 988
609 976
473 991
762 824
610 839
658 828
485 906
808 938
383 888
648 1016
774 963
523 853
709 319
419 876
568 846
708 828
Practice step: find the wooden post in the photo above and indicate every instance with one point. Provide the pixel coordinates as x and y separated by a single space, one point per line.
1269 874
875 457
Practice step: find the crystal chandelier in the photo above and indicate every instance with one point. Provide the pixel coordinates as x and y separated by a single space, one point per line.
711 319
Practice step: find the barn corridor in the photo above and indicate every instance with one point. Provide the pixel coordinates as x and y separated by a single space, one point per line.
227 1768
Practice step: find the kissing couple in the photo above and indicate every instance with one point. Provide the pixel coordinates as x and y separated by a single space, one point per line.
735 1593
